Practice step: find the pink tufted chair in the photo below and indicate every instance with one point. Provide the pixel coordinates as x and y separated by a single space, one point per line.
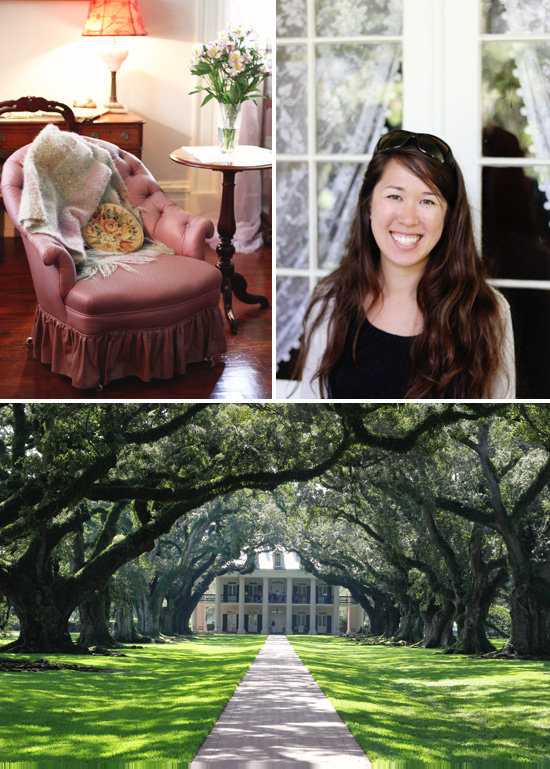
150 323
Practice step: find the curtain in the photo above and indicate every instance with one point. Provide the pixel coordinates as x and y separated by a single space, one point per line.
533 72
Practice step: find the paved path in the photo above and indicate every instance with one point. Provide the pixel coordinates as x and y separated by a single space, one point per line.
279 717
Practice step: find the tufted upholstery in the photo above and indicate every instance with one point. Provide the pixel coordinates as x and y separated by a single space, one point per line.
151 322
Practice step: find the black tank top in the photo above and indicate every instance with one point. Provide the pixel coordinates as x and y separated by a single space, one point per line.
383 368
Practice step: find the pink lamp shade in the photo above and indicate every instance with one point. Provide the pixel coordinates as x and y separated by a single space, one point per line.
113 17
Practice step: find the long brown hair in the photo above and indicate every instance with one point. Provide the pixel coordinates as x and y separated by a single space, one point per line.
457 354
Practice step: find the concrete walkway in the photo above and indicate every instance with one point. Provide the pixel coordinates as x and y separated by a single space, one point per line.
279 717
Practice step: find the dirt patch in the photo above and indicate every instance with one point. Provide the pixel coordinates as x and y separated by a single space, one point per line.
9 665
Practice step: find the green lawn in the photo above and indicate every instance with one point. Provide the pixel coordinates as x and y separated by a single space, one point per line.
161 705
412 706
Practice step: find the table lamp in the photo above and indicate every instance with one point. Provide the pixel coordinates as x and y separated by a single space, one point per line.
113 18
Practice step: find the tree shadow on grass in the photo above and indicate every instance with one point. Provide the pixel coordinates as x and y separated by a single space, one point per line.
411 704
161 705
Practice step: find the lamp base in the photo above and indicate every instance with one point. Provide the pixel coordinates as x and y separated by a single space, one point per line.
114 106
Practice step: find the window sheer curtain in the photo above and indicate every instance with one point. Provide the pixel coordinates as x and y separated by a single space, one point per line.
533 72
351 96
248 186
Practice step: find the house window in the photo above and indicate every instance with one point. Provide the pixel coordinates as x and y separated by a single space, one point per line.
278 561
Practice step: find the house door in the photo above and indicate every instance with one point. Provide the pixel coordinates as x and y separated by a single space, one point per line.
252 623
231 622
300 623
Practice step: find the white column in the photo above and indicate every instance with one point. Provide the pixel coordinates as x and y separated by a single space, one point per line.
336 610
265 605
349 619
240 628
313 607
218 607
289 605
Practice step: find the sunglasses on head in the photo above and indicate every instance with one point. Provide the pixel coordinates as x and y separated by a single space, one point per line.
430 145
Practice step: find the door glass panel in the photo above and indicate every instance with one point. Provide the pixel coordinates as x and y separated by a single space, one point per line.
350 17
516 16
292 215
355 86
516 99
291 99
531 313
516 222
338 190
291 18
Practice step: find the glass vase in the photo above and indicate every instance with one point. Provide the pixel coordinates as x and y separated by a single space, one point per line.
229 122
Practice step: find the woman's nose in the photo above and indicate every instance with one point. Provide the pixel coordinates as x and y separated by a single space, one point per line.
408 214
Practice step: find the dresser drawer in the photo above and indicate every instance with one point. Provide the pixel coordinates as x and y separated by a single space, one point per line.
127 137
13 137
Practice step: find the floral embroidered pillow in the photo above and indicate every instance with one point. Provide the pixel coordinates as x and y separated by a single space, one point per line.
113 229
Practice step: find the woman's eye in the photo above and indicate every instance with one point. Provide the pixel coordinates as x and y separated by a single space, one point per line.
394 197
427 200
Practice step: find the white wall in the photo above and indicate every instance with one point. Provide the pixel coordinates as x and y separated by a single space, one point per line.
43 53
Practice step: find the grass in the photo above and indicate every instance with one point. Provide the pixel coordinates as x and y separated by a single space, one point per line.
408 707
159 708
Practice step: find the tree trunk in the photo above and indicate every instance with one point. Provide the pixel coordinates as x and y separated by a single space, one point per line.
530 612
409 625
438 624
472 636
125 630
94 621
43 620
383 617
148 621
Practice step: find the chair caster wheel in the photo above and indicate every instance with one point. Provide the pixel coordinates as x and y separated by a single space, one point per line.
99 388
29 340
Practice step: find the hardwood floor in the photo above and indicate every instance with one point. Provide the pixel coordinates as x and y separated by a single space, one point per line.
244 372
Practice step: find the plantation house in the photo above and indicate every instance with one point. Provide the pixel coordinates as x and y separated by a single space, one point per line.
277 597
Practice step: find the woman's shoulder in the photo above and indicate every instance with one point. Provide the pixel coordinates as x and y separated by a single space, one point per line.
504 385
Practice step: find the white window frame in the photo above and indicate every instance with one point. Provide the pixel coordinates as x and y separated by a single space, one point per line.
313 272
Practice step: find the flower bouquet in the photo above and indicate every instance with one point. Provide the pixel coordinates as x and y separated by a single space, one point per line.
233 67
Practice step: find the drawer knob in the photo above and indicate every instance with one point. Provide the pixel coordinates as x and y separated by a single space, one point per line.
95 135
125 135
3 137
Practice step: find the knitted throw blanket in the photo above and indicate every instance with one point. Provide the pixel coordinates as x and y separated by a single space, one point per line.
65 179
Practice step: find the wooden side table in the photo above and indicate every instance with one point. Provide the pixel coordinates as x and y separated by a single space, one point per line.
245 158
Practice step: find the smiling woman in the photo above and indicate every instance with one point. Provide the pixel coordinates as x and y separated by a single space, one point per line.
409 314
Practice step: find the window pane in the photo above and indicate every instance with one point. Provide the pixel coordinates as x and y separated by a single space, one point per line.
338 189
291 99
292 301
292 215
291 18
516 16
531 314
516 99
516 231
359 17
358 86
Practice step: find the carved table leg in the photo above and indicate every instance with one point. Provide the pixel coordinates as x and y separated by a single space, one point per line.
232 282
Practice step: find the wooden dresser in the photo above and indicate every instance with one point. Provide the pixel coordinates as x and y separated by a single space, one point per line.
124 130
